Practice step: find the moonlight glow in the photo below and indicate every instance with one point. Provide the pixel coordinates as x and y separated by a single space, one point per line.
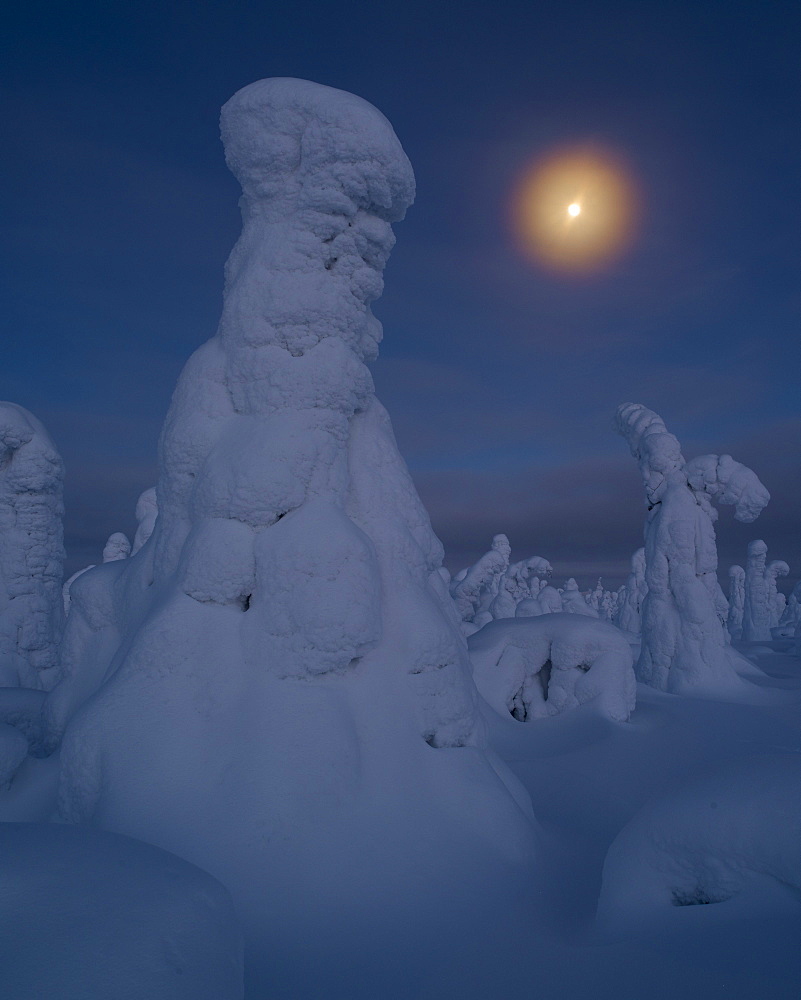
575 210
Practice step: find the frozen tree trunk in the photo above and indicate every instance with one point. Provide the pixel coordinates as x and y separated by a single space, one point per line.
31 550
684 644
290 705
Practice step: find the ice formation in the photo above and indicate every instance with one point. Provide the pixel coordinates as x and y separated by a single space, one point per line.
684 642
31 550
282 694
540 666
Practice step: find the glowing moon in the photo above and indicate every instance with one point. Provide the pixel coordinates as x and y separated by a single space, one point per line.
576 210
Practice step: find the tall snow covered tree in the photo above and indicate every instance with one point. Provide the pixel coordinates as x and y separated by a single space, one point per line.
289 701
31 550
684 641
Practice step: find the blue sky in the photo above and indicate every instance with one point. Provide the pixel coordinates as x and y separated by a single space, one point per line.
501 378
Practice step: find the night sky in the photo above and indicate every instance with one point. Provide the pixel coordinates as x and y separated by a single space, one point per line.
501 377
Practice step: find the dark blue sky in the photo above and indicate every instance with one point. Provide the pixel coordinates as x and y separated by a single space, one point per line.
118 214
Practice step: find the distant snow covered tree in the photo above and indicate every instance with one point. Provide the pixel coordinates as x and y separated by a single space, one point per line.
629 607
763 604
287 698
31 550
475 588
684 643
147 510
117 547
734 621
575 602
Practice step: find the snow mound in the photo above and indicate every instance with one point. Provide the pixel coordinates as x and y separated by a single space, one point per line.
31 549
90 914
545 665
731 832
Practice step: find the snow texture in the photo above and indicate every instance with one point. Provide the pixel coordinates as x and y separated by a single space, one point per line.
540 666
31 549
684 641
89 915
275 685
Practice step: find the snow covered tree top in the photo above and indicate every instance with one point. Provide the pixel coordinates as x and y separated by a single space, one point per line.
323 177
295 144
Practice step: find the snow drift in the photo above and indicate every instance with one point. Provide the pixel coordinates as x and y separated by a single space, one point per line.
87 914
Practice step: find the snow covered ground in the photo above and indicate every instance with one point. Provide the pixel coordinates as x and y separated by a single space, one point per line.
692 796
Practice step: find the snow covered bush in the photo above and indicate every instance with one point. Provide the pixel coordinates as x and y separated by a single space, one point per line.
541 666
684 642
31 550
282 693
735 831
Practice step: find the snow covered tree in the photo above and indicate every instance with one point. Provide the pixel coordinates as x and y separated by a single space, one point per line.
289 703
31 550
763 604
629 608
475 588
734 621
575 602
684 644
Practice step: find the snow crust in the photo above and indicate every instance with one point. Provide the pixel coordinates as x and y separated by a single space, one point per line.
275 685
684 641
31 549
535 667
87 914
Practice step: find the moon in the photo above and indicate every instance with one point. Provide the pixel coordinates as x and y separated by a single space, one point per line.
551 194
